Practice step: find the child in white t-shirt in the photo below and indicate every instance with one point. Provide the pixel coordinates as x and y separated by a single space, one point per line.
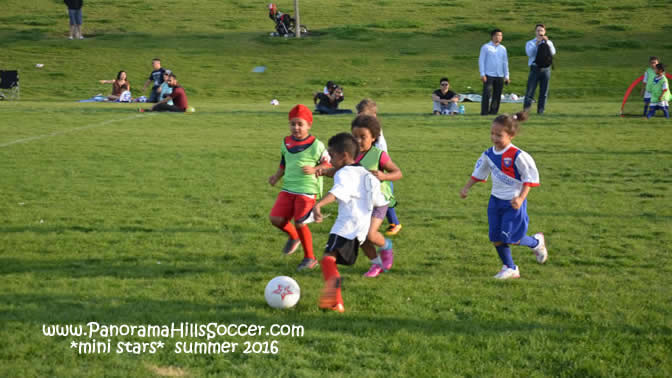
357 192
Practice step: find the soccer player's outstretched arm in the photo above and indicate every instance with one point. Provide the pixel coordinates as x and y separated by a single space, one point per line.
317 213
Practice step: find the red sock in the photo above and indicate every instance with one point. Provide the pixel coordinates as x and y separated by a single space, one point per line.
306 241
330 271
290 230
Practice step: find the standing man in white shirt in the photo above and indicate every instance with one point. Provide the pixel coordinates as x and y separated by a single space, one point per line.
493 64
540 68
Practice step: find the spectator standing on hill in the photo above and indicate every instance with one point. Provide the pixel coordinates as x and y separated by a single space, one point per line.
540 59
445 100
493 64
75 13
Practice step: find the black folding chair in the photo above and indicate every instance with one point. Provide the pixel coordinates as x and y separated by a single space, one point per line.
9 85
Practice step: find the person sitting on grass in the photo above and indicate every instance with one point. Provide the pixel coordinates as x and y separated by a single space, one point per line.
117 85
164 89
328 103
178 97
445 100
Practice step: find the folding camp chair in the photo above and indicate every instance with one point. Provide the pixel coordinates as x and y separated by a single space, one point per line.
9 85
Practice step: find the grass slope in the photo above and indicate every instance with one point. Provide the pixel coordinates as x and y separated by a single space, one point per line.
123 218
380 49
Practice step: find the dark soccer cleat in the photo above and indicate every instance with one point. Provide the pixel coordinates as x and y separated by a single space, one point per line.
307 264
291 246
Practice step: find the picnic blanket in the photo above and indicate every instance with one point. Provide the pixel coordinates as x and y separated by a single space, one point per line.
507 97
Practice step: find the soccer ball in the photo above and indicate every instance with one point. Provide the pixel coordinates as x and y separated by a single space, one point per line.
282 292
275 102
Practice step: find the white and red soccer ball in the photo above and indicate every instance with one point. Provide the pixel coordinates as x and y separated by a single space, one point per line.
282 292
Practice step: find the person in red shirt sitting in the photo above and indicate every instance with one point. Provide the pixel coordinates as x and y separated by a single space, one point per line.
178 96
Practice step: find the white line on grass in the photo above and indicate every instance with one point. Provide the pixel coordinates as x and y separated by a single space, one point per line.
56 133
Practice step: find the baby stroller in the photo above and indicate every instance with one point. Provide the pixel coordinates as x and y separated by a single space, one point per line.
284 24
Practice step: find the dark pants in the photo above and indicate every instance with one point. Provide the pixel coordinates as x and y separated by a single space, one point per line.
539 76
164 107
327 110
492 88
154 95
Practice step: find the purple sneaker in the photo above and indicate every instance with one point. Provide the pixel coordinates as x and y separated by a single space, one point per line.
374 271
388 257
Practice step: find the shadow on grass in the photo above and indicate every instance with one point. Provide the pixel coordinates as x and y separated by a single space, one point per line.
122 229
125 268
36 310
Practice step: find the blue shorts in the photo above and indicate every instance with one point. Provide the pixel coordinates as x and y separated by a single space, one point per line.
75 16
506 224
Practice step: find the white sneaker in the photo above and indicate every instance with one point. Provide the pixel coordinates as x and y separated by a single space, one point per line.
507 273
504 267
540 250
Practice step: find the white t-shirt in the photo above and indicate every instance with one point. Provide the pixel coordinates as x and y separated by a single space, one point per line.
357 192
511 169
125 96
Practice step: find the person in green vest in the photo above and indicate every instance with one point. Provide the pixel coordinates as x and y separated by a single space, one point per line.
660 93
302 155
649 74
369 107
366 129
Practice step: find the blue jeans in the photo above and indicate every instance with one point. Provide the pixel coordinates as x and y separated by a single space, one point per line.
327 110
539 76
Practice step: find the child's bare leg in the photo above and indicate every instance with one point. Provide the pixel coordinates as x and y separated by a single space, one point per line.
369 250
374 235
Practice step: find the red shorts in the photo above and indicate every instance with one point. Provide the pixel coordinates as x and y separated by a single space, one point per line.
293 206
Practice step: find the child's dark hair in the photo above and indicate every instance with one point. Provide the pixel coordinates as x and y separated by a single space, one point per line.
660 66
495 31
511 124
119 74
444 79
365 104
156 60
538 25
124 87
654 58
344 142
173 76
368 122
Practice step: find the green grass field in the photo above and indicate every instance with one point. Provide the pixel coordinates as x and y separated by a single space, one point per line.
116 217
